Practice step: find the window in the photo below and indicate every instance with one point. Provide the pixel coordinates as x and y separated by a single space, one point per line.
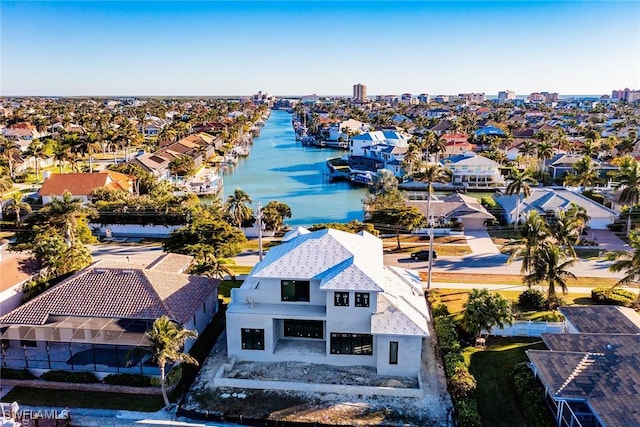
294 290
362 299
303 328
341 299
393 352
253 339
358 344
28 343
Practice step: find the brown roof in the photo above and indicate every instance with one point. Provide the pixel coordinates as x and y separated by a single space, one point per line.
118 290
82 184
16 270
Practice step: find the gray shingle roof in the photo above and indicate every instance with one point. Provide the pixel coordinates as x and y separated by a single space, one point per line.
600 319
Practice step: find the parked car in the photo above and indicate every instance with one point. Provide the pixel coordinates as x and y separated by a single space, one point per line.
423 255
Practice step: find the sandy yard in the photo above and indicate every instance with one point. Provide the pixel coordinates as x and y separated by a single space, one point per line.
432 409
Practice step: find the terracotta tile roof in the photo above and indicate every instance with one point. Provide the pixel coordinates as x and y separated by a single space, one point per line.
118 290
82 184
16 270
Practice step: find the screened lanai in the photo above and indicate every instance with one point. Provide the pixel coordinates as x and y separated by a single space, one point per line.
79 343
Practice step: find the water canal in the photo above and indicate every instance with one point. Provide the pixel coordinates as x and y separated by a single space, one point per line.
280 168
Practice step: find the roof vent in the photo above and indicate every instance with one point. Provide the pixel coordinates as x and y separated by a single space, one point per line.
127 271
99 271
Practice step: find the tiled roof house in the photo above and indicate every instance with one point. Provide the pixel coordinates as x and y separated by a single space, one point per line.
107 304
81 185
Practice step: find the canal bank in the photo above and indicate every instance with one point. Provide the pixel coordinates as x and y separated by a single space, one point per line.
281 168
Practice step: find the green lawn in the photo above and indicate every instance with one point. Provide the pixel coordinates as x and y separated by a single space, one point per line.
224 289
495 392
74 399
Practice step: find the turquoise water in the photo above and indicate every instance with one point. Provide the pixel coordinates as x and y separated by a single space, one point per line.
280 168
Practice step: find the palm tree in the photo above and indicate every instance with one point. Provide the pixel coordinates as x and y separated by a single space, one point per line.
61 153
65 213
535 230
16 205
585 174
590 148
5 185
520 182
411 158
629 263
8 150
628 180
237 207
38 151
544 152
166 340
434 172
437 146
550 265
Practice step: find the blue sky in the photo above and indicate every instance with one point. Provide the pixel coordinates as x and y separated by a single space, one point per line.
304 47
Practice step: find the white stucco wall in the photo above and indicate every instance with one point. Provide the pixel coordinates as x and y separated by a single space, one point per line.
409 351
10 299
133 230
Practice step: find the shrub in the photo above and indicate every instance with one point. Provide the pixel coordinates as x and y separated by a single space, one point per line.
488 202
440 310
16 374
132 380
613 296
451 361
173 377
461 383
532 299
531 396
467 412
70 377
447 335
554 316
596 197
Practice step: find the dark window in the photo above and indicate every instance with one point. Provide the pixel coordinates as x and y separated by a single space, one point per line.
393 352
341 299
362 299
253 339
294 290
28 343
344 343
303 328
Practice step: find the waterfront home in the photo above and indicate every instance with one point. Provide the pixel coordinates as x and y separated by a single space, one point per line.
327 297
457 143
81 185
342 130
156 164
22 131
92 320
547 202
454 209
591 374
470 170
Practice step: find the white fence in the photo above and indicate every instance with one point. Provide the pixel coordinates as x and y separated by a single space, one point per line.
529 328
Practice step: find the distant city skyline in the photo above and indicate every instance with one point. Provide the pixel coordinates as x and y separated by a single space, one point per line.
303 47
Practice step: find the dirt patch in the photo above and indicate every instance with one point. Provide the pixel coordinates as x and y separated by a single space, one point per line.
317 374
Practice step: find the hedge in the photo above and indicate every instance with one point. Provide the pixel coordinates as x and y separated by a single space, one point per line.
467 413
531 396
613 296
132 380
16 374
70 377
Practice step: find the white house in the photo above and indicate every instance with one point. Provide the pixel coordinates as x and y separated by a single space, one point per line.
471 170
547 200
326 297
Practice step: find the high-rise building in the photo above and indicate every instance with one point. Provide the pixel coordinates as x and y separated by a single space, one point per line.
359 91
506 95
472 97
